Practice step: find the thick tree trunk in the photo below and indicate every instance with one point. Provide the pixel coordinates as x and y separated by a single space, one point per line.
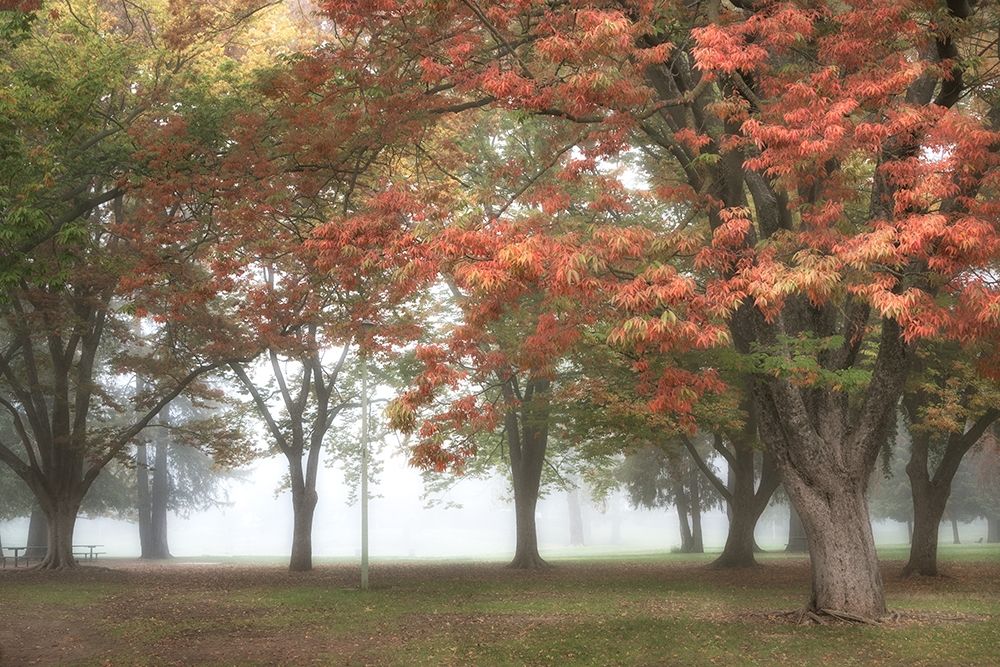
796 533
845 569
928 511
575 517
159 499
526 554
61 520
303 509
143 501
993 531
739 549
38 535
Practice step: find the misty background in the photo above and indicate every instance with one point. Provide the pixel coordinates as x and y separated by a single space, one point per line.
474 519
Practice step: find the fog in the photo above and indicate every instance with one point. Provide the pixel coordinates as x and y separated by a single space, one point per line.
474 519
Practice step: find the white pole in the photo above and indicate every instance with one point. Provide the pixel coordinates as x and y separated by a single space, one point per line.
364 471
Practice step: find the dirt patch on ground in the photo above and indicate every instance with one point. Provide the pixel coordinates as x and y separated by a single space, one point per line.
46 637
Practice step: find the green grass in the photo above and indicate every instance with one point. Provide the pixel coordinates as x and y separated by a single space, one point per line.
646 609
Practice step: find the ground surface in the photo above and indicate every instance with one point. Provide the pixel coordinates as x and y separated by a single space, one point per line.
647 611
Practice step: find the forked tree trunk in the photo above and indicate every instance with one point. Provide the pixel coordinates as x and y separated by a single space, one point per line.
745 503
931 489
955 538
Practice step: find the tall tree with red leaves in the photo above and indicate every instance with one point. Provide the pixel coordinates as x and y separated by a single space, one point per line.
841 179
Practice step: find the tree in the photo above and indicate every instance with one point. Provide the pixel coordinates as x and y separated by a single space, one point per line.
987 466
654 478
78 194
745 496
848 198
184 477
949 407
318 252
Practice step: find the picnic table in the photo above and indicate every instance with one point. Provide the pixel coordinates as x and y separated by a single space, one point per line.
17 555
90 554
84 551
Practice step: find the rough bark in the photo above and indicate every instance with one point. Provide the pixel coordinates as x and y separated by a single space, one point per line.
527 440
826 447
845 571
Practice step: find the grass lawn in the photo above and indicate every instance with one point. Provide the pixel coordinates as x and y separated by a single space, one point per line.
648 609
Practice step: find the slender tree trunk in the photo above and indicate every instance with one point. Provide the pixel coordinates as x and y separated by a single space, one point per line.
160 498
796 533
38 535
993 531
575 517
697 540
687 539
303 508
909 530
143 501
954 532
